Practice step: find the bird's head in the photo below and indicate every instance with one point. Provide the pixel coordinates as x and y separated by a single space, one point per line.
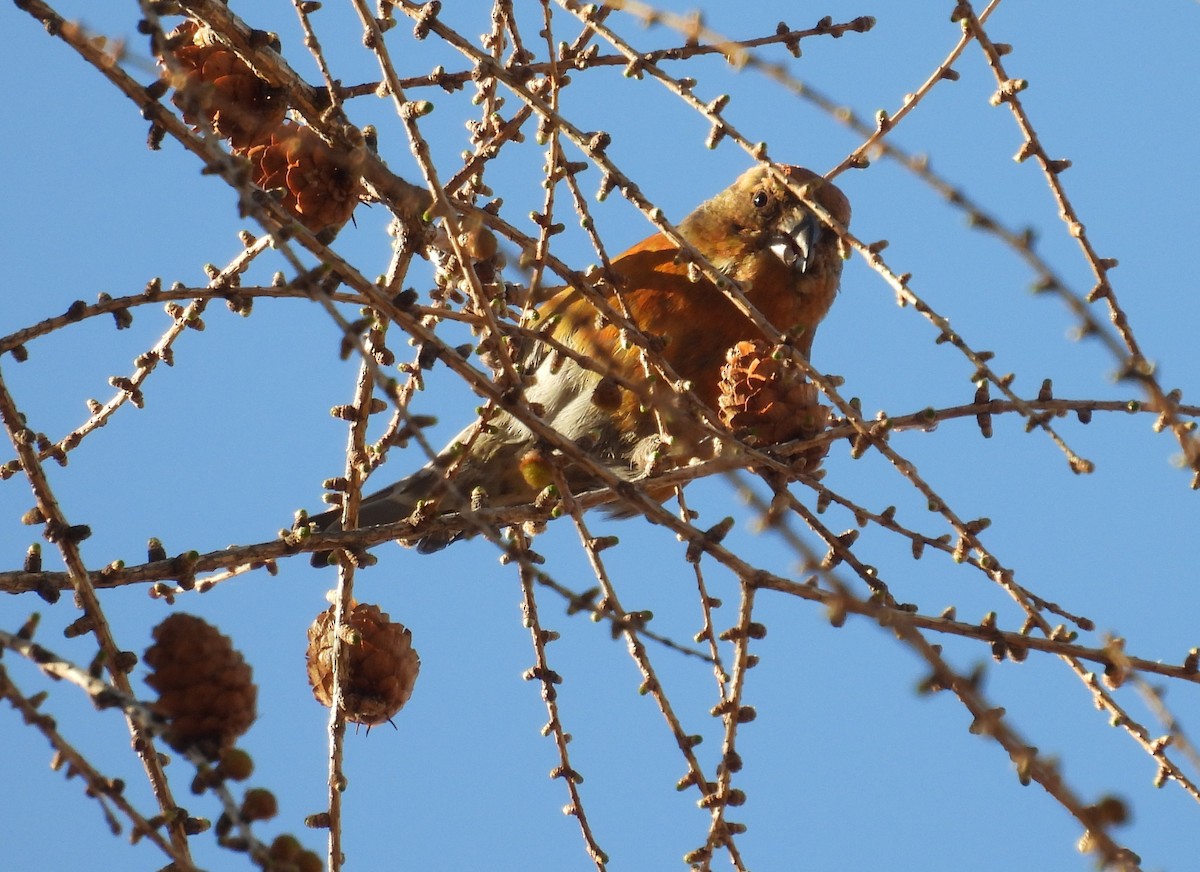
758 224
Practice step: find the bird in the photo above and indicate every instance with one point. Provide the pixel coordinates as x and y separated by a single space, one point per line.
755 232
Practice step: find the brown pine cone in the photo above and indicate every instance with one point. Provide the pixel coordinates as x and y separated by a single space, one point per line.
205 688
286 853
220 90
765 401
382 667
318 185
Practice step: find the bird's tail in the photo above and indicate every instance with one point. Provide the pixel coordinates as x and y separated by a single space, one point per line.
397 501
493 467
393 503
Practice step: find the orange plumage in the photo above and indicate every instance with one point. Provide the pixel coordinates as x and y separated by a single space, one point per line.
756 232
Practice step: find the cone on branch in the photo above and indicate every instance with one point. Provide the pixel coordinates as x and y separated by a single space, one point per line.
206 690
220 91
381 665
286 853
765 400
317 184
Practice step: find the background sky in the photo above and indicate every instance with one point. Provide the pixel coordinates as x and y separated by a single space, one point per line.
846 766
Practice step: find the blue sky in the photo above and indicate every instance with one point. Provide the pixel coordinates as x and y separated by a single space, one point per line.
846 766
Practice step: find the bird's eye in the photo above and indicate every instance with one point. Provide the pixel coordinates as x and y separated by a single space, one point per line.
760 199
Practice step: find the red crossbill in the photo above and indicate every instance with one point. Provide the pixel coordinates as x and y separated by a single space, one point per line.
756 232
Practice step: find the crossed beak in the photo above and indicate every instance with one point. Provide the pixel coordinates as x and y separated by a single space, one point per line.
794 245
